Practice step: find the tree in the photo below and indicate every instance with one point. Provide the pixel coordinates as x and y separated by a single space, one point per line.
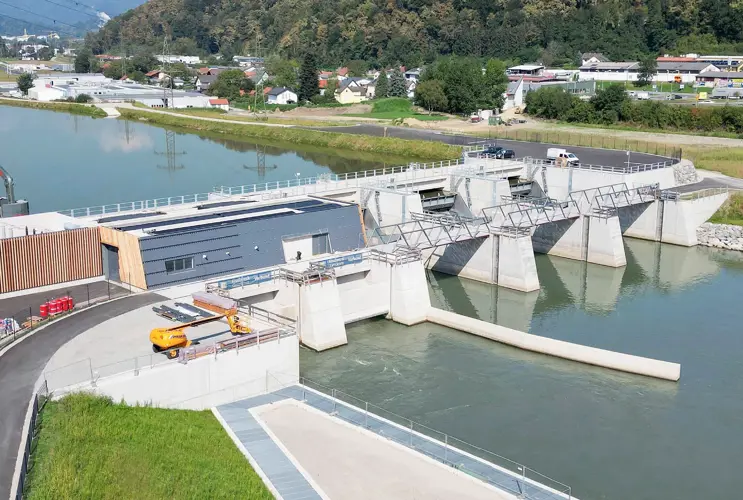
357 67
550 102
430 95
655 27
397 85
45 53
114 70
229 83
25 82
648 68
83 99
382 88
83 60
495 84
308 84
609 100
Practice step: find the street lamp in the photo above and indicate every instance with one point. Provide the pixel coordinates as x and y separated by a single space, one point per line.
628 158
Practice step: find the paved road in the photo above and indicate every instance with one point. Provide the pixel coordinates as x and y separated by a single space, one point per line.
21 366
534 149
94 292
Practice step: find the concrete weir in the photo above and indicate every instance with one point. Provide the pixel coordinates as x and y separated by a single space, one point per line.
590 355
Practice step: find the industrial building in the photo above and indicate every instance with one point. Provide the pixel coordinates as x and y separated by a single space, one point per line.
174 246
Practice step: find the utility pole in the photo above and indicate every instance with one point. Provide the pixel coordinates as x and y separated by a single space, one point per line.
169 102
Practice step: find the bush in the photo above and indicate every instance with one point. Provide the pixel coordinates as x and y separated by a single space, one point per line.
392 104
83 99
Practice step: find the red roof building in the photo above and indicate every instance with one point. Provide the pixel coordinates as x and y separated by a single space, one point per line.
342 71
217 102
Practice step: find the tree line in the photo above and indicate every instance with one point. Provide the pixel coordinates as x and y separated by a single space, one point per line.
612 105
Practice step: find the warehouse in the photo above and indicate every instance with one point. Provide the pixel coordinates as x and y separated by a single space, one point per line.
175 246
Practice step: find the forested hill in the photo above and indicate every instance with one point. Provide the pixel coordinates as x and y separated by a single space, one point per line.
412 32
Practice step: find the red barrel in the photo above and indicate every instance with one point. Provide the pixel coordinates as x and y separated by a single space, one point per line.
70 303
65 304
53 307
44 310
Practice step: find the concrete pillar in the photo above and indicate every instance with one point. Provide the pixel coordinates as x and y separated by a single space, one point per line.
393 207
517 268
681 218
565 238
321 324
409 299
494 259
642 221
480 192
605 245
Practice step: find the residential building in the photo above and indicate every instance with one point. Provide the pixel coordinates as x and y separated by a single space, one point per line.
245 61
223 104
514 95
593 57
526 69
203 82
351 90
413 74
179 59
281 95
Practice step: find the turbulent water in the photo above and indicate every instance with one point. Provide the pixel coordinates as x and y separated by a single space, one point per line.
606 434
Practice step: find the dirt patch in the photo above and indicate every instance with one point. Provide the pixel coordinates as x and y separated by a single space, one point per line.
355 109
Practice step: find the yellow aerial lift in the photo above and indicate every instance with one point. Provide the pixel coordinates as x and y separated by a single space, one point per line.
173 338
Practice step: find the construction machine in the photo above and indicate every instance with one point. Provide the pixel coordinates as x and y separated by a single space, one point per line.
173 338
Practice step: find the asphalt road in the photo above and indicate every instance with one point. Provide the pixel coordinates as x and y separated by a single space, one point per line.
21 366
592 156
93 292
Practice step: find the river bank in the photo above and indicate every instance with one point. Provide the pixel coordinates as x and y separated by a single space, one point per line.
430 151
63 107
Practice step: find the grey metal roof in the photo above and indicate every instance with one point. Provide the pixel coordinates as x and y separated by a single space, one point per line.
611 66
682 66
721 74
512 86
278 90
598 55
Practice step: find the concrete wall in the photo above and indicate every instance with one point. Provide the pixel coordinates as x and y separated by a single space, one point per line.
229 248
558 348
365 294
204 382
682 218
321 323
480 192
641 221
395 206
563 238
605 245
562 181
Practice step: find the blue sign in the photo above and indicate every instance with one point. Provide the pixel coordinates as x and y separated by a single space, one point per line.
344 260
250 279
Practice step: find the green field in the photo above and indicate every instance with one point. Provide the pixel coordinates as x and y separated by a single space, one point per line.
731 212
397 108
64 107
89 447
421 150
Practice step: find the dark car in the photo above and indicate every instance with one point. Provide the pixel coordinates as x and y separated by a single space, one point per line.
499 152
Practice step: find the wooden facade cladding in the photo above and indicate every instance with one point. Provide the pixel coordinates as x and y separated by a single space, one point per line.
49 258
131 269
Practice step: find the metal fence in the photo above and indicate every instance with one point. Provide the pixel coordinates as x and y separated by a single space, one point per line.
586 140
39 402
518 479
17 321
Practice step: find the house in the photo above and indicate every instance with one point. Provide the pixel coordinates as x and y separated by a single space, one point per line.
203 82
342 73
219 104
526 69
410 87
281 95
593 57
413 74
351 90
156 76
514 95
258 77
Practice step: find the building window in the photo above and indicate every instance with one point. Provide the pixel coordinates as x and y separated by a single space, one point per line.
178 265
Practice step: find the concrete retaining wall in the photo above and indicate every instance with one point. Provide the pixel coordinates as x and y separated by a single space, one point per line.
204 382
558 348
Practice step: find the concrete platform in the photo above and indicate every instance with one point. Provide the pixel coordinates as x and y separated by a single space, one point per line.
348 462
122 343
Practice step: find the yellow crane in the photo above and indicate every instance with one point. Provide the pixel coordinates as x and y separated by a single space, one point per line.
173 338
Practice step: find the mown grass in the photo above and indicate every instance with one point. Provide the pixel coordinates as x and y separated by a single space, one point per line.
423 150
731 212
222 115
64 107
665 87
396 108
629 128
89 447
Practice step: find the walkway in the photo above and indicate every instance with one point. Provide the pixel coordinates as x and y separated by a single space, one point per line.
21 366
290 483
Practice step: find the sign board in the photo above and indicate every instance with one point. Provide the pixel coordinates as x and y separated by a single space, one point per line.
249 279
343 260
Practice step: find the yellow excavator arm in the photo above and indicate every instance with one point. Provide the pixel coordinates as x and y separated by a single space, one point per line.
174 337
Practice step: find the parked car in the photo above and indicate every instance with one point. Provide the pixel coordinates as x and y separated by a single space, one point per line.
509 153
558 154
499 152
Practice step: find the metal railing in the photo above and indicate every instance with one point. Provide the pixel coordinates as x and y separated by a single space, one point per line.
629 168
131 206
39 402
521 480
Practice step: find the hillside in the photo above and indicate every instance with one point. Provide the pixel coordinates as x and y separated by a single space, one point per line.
415 31
67 13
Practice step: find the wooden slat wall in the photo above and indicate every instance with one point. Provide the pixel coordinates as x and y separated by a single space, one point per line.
49 258
131 269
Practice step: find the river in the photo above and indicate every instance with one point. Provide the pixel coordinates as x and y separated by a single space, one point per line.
61 161
606 434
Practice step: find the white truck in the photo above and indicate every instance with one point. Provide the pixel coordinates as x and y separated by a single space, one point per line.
559 155
642 96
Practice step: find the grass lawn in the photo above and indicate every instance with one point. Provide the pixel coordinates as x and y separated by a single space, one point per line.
90 447
731 212
218 113
664 87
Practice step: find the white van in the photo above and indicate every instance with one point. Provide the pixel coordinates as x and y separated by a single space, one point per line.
553 154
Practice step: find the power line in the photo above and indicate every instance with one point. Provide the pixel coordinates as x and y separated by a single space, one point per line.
72 9
37 24
36 14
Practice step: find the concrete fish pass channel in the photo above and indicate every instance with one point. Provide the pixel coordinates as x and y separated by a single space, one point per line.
332 250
